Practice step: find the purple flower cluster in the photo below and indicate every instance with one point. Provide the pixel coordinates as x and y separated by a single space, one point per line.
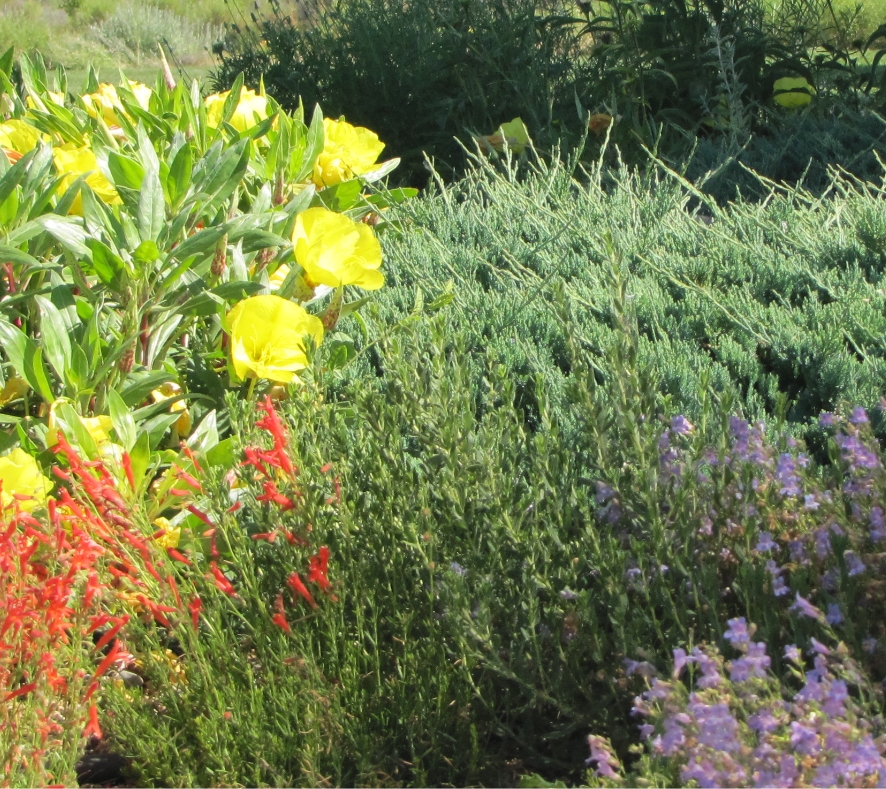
748 731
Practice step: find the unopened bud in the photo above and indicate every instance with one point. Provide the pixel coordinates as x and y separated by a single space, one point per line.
127 360
220 260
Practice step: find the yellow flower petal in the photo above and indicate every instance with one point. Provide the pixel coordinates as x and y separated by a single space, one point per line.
251 109
22 481
18 135
335 250
72 162
348 151
267 337
793 92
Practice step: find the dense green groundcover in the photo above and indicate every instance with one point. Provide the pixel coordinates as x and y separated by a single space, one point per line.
506 382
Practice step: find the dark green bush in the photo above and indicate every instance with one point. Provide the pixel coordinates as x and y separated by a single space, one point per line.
418 73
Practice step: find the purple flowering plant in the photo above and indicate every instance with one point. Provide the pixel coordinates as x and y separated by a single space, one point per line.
717 722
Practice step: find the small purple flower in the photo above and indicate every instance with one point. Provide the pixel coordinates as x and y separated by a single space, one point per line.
854 565
681 425
765 542
706 529
737 632
809 502
646 730
804 738
819 649
798 552
803 607
568 594
786 474
754 664
834 702
604 492
878 524
680 661
792 653
642 668
835 615
604 761
457 569
859 416
779 588
827 419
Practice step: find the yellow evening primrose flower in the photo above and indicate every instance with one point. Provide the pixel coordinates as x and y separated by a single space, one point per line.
99 427
22 481
53 96
793 92
165 392
72 162
267 337
172 535
348 151
14 388
335 250
19 136
105 103
251 109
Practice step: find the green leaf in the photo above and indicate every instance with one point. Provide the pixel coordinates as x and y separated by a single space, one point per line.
125 171
140 458
151 207
205 435
179 180
109 266
313 147
56 340
124 424
26 358
222 454
340 197
68 232
140 386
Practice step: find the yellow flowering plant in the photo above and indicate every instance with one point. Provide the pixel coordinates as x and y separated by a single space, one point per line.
348 151
334 250
267 338
105 102
22 482
251 109
72 161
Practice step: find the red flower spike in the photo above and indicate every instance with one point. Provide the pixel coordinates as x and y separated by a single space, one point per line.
23 690
279 618
174 586
194 607
111 634
318 569
326 468
190 455
235 506
272 495
92 726
295 582
221 581
127 467
179 557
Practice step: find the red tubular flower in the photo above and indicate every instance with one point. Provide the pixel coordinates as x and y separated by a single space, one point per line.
24 689
179 556
271 494
318 569
194 607
221 581
92 726
127 467
112 633
271 422
279 618
297 586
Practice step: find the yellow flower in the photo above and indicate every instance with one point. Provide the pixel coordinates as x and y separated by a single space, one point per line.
99 427
251 109
267 337
348 151
13 389
793 92
166 391
105 103
335 250
19 136
22 481
72 162
514 135
172 535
